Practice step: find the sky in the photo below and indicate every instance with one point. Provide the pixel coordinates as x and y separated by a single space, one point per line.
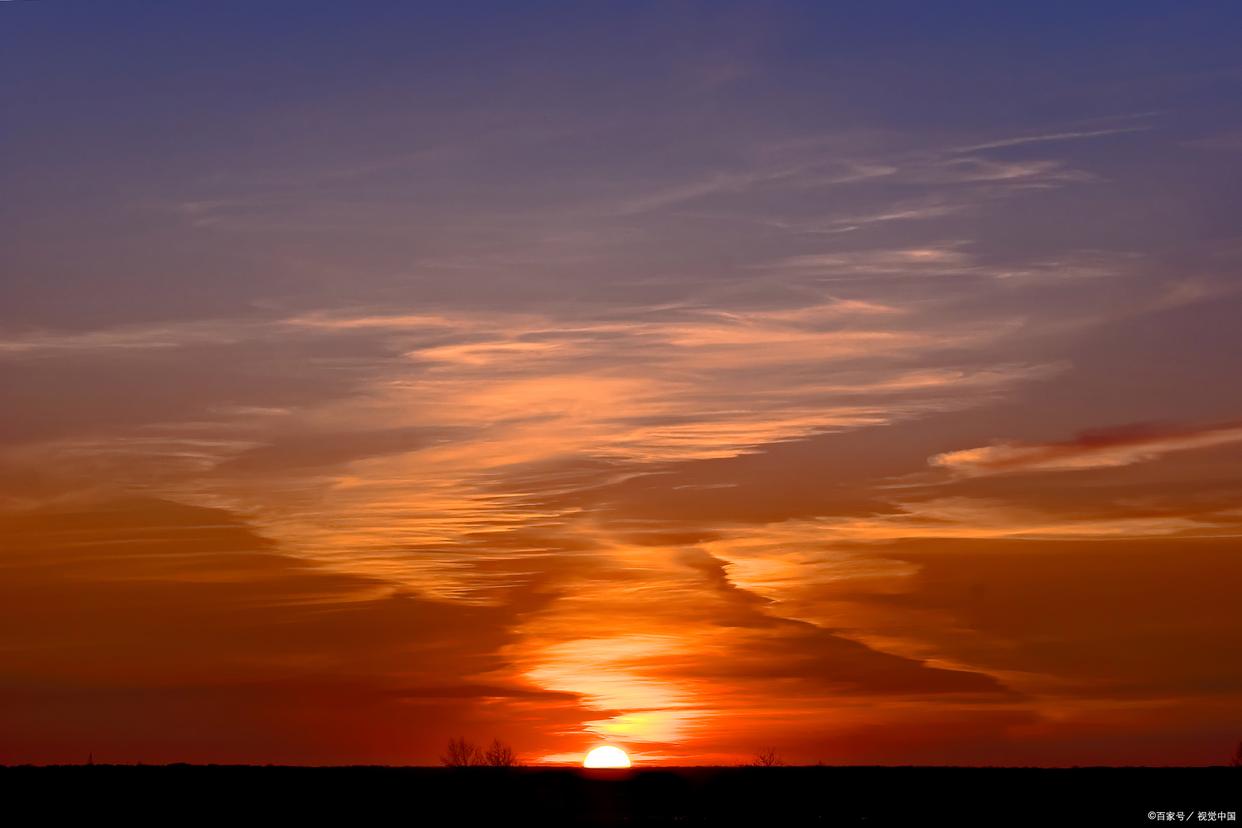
858 381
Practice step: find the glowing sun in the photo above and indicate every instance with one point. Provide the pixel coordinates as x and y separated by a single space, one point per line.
606 757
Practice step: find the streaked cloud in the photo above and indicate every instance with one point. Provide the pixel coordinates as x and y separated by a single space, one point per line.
1052 136
1103 448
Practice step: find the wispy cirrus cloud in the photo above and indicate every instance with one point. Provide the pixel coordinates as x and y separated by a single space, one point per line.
138 337
1043 138
944 258
443 419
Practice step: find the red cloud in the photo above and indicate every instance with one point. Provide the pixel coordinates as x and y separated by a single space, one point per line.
1100 448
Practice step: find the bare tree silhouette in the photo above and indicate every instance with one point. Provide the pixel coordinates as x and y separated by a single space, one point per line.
499 755
460 753
768 758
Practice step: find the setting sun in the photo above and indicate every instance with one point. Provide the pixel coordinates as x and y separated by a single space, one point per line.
606 757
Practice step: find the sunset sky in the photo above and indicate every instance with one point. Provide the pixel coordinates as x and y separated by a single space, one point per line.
859 380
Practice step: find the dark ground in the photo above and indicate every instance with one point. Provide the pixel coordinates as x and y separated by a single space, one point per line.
176 794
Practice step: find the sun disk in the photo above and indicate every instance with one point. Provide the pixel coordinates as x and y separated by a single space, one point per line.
606 756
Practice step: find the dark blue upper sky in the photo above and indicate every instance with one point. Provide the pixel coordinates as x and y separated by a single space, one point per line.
113 108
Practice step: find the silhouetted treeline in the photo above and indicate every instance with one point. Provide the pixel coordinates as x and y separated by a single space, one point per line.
751 796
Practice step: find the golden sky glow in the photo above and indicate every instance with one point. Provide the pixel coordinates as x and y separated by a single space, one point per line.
760 392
